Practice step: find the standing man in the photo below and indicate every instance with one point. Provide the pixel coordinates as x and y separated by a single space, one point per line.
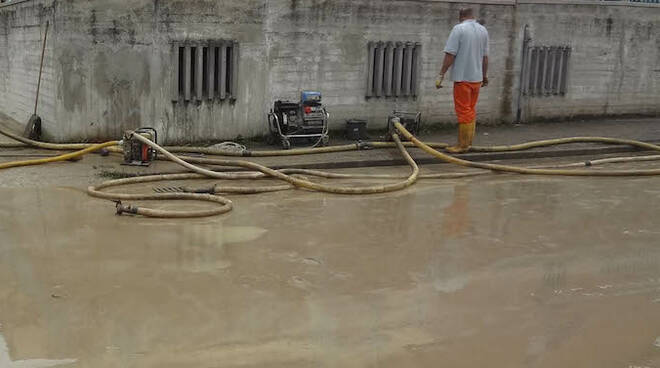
467 55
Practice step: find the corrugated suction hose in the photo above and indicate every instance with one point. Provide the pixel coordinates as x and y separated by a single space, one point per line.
291 176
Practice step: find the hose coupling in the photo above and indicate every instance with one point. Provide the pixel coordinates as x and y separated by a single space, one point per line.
122 208
208 190
363 145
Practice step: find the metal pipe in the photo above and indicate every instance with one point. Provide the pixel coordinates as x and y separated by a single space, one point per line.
199 72
542 90
176 73
234 70
398 66
187 73
407 68
378 69
389 67
551 79
370 68
222 81
210 65
523 72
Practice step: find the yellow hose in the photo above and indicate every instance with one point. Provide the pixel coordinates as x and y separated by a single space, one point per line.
381 145
516 169
558 141
67 156
247 153
13 145
290 175
226 204
293 152
614 160
342 148
54 146
301 183
95 191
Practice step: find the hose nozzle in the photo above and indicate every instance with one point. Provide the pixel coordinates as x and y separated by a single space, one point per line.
122 208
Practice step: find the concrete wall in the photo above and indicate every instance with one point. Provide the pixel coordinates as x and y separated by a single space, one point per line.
22 27
108 61
335 35
116 71
615 60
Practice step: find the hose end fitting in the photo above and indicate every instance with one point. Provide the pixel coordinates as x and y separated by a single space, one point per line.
121 209
364 146
208 190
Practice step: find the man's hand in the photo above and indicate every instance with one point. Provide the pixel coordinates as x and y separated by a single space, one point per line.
484 83
446 64
438 82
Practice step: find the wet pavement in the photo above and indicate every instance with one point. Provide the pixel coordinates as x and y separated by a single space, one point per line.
493 271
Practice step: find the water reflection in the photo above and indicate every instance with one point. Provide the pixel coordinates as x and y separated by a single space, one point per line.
456 220
203 247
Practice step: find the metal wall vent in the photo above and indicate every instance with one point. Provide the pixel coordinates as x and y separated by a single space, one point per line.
393 69
205 71
546 70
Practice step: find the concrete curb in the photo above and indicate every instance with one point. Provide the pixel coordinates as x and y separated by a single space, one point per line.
476 156
479 157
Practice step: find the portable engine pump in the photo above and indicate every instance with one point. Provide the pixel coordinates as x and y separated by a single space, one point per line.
137 153
410 120
307 119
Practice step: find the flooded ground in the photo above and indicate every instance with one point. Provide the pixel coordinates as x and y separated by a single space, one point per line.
495 271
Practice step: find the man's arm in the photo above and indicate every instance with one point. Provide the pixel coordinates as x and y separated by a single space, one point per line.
486 51
446 64
451 49
484 69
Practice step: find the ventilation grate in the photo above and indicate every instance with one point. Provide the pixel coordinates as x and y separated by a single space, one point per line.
204 71
546 70
393 69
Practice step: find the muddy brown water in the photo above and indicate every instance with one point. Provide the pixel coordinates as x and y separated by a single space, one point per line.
502 271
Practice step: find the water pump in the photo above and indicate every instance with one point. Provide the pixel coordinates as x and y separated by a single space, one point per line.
137 153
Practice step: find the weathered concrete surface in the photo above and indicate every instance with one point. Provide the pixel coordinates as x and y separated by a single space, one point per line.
615 61
504 271
108 62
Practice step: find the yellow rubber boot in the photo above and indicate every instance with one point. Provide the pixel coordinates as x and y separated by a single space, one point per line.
465 137
470 137
462 132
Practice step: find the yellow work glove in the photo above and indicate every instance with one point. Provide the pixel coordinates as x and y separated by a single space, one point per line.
438 82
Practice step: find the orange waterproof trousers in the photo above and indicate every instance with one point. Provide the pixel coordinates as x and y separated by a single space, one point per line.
466 95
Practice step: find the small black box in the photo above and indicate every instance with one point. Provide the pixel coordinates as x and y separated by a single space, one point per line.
356 129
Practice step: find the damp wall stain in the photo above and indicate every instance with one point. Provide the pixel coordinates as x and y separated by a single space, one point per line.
122 88
74 74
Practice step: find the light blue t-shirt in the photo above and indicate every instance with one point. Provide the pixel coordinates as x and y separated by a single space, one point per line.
468 41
